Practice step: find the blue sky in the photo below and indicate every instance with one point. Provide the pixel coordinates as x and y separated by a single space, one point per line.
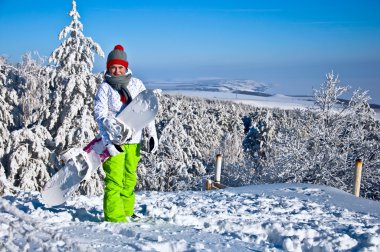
290 45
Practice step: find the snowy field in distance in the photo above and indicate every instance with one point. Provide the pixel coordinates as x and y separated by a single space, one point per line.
240 91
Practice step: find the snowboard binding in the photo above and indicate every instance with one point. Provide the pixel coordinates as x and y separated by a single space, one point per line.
77 158
118 132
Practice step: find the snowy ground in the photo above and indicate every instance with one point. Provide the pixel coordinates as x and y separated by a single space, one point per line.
280 217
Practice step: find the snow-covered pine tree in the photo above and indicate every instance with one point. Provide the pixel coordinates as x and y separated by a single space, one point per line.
8 96
33 90
187 161
321 144
327 97
28 158
3 180
178 165
258 135
363 134
191 132
237 169
333 135
75 55
8 99
4 70
71 120
285 159
73 87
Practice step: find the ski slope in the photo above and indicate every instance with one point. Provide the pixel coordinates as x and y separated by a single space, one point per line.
279 217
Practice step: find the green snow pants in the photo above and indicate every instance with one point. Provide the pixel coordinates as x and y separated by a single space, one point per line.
120 181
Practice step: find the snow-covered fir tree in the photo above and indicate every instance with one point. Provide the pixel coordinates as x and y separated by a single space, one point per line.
57 97
8 100
76 54
71 120
25 157
322 143
8 96
29 158
237 169
191 132
32 89
340 133
179 162
73 87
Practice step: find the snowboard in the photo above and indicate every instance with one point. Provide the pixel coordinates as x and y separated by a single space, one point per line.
79 163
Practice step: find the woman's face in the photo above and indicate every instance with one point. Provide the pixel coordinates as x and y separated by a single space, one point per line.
117 70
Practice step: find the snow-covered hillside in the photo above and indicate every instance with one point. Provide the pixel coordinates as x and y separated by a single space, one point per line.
280 217
240 91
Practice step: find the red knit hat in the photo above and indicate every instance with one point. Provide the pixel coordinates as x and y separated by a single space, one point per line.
117 56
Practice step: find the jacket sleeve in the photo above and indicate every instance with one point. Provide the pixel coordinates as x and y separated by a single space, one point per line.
101 111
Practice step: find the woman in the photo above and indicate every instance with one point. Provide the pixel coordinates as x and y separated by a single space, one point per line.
112 96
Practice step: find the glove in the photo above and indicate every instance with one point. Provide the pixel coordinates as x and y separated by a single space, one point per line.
114 149
153 144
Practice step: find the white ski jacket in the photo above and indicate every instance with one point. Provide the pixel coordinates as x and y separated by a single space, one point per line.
107 102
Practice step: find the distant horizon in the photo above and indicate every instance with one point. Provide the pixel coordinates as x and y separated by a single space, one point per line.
290 45
183 84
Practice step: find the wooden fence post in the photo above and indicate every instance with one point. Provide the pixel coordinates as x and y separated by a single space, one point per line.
218 168
358 176
206 184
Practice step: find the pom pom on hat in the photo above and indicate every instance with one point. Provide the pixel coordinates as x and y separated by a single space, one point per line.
119 47
117 56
